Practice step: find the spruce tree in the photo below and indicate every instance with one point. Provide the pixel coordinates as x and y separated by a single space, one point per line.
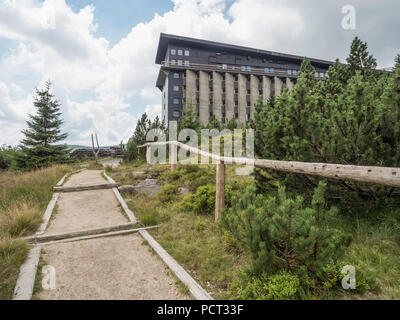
138 138
39 147
360 59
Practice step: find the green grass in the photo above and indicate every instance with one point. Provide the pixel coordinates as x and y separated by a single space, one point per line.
214 258
13 253
23 200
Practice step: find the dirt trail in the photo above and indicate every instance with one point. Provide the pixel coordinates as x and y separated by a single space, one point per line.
107 268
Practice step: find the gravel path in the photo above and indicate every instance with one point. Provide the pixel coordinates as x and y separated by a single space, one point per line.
119 267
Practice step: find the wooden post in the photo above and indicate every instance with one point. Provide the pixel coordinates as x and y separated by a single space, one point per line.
173 156
148 154
220 189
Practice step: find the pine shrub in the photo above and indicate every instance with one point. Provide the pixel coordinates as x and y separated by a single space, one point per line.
283 233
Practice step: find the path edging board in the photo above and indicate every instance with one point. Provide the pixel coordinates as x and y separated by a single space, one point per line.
50 208
81 233
194 288
86 187
121 200
100 235
26 279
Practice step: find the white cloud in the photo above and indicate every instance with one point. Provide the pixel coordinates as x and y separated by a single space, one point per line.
104 88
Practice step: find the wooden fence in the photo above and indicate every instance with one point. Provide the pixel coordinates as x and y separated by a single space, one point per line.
369 174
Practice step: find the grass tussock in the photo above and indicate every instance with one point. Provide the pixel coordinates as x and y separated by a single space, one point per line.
24 197
13 253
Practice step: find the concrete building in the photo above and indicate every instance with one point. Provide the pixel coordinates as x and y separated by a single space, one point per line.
222 79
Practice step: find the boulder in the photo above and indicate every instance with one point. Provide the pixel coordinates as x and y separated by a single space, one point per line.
184 191
149 186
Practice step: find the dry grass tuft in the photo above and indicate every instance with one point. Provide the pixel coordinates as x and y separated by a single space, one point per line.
23 199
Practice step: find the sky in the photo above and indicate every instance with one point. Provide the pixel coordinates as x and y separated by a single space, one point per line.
100 54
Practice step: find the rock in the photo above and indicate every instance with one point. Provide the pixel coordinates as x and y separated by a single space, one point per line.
149 186
184 191
137 173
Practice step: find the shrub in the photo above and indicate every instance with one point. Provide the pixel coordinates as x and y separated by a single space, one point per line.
4 163
351 118
203 201
281 286
282 233
168 192
171 176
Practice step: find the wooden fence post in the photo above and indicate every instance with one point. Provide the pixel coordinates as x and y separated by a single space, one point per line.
220 189
173 156
148 154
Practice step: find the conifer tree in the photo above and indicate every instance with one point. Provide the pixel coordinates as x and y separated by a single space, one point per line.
360 59
138 138
397 61
214 123
39 147
232 124
189 119
346 119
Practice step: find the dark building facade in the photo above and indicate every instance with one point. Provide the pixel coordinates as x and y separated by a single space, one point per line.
221 79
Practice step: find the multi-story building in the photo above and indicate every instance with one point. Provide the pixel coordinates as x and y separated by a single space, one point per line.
222 79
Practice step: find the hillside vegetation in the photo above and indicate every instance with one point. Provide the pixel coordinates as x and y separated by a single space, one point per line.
223 264
23 200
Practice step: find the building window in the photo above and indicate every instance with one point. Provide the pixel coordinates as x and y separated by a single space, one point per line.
173 51
172 62
272 70
176 75
187 63
180 52
321 74
243 68
266 70
187 53
224 66
248 68
175 101
316 74
294 72
176 88
180 62
289 72
176 114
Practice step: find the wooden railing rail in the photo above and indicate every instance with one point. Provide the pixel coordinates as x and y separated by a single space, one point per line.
387 176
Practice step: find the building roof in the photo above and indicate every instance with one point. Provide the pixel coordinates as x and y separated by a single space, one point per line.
166 39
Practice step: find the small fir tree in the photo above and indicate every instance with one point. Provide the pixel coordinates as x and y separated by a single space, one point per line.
39 147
